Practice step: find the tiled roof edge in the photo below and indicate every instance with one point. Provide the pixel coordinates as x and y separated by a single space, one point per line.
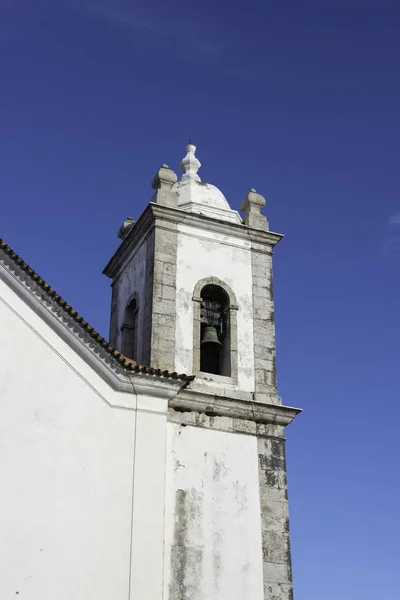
127 363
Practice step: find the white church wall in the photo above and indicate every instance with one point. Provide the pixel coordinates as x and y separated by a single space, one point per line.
148 527
213 535
202 254
72 451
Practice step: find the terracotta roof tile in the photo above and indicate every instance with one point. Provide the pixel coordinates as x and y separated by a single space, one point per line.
127 363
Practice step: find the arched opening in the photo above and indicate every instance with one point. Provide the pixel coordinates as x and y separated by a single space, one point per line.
129 330
215 339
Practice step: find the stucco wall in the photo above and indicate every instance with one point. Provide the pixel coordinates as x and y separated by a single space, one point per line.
213 535
202 254
69 526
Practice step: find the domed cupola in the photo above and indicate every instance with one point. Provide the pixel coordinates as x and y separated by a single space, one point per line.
196 196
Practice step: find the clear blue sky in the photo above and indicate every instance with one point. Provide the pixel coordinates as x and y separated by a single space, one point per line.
297 98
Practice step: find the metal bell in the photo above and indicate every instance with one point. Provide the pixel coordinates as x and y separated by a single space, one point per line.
210 336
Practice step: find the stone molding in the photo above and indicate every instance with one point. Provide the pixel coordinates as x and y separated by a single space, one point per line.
215 281
203 222
233 308
226 424
167 216
212 405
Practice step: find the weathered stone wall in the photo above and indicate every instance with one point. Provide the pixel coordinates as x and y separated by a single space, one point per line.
147 312
164 296
274 519
263 325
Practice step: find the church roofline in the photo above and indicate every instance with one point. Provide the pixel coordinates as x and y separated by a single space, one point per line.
126 363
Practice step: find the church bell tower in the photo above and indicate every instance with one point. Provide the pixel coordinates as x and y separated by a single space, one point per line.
192 292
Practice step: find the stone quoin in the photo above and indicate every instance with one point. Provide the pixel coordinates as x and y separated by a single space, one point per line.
150 466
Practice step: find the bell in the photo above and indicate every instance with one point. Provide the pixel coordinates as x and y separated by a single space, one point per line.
210 336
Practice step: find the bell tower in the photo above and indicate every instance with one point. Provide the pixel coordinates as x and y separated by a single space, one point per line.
192 292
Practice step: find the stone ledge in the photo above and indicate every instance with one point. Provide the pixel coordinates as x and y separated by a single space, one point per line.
176 215
226 424
237 409
166 217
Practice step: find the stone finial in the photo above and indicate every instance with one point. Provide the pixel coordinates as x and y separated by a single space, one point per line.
126 227
163 182
252 206
190 164
165 178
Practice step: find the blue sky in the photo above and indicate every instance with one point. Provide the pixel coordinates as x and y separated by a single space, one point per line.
299 99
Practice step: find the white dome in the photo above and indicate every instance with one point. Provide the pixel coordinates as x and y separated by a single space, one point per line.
202 198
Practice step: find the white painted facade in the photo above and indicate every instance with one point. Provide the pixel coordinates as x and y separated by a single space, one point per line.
213 501
202 254
82 470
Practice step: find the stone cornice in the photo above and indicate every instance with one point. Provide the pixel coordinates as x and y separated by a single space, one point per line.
274 414
178 216
165 216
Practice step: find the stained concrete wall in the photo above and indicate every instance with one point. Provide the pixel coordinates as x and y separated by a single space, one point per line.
200 255
82 472
213 517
